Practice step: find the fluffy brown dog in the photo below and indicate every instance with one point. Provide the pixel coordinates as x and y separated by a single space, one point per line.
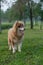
15 36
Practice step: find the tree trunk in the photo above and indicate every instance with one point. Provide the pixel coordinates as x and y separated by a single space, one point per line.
24 18
20 17
0 16
41 25
0 25
31 17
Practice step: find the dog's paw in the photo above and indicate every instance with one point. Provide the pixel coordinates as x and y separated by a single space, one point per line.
19 50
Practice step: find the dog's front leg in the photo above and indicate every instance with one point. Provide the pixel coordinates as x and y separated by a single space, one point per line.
14 48
19 47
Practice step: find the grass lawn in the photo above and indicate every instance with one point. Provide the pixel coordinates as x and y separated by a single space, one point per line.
32 49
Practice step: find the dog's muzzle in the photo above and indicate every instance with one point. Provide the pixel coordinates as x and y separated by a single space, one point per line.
21 30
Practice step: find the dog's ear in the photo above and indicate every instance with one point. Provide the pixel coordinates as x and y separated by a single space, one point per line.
15 26
16 23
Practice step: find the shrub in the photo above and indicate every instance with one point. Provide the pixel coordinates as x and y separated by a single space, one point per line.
6 26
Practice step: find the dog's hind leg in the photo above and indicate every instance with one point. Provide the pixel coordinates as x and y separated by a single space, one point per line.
9 44
13 47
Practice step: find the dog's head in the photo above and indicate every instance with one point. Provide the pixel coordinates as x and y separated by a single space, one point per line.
19 27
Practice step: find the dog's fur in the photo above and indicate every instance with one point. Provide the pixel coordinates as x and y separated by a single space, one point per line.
15 37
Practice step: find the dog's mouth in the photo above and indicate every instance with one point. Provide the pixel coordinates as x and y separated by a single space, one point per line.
21 30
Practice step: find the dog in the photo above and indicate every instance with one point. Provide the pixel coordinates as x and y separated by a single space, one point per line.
15 36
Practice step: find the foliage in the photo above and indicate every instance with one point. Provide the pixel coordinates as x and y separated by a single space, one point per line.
6 26
21 10
41 0
41 11
36 9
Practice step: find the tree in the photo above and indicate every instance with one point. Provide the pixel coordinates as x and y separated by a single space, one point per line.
36 11
31 15
21 8
17 10
0 16
21 5
41 13
41 0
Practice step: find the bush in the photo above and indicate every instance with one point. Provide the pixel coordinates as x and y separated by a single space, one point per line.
6 26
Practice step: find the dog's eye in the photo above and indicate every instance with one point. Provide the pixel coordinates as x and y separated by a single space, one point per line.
18 26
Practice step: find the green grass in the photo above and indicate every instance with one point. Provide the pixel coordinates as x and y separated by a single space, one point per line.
32 49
